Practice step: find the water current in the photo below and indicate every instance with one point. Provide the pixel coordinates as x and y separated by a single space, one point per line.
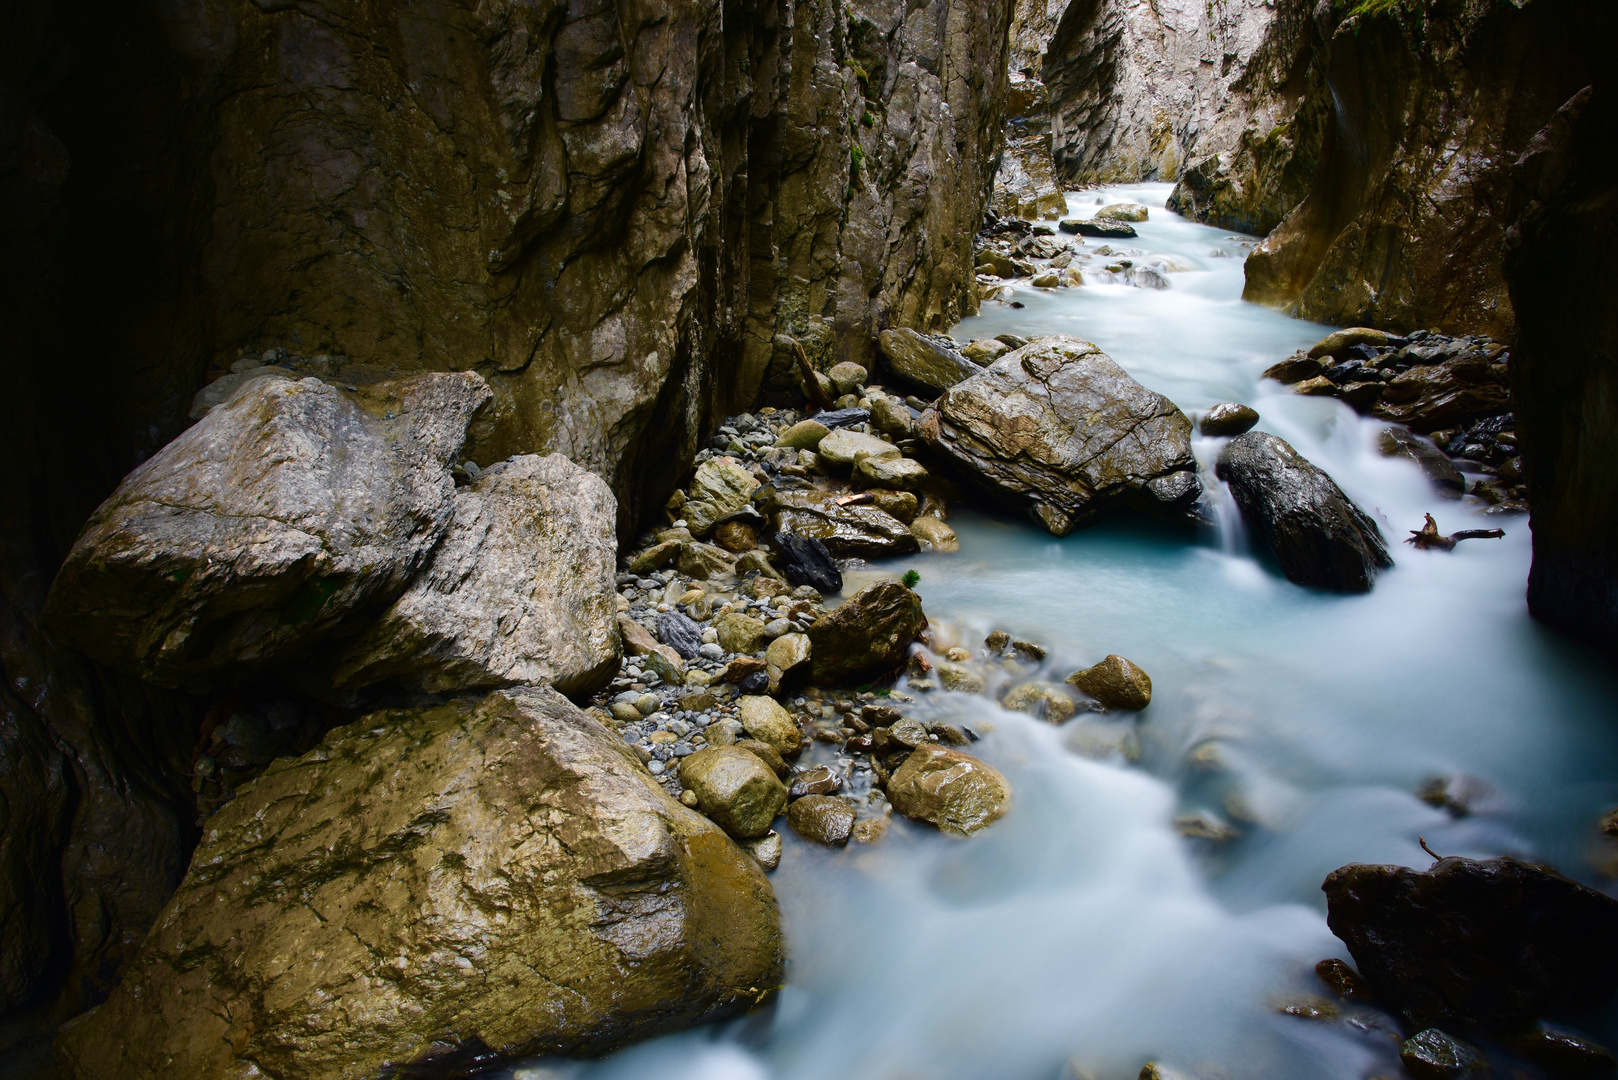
1083 934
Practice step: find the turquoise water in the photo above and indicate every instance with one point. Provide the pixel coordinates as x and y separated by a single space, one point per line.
1082 934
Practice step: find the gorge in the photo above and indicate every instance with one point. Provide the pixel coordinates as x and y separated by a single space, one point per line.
428 362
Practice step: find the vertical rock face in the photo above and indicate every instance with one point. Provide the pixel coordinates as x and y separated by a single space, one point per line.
1138 86
1560 266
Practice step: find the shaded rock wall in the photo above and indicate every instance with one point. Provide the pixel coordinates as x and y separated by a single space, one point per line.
610 211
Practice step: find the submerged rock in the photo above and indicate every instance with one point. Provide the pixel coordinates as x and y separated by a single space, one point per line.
953 791
1058 430
253 535
520 591
1484 943
921 361
1319 536
868 635
434 884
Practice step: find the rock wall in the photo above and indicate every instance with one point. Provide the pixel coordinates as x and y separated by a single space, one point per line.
1139 86
609 211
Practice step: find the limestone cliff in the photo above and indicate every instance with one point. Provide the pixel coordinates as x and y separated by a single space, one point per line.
609 211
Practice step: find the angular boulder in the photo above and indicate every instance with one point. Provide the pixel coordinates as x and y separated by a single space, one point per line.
1059 431
736 788
254 534
471 882
953 791
868 635
842 449
1484 943
806 560
723 483
847 529
767 721
920 361
1319 536
519 592
1115 682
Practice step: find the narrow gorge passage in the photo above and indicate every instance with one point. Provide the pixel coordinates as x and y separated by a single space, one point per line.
1290 733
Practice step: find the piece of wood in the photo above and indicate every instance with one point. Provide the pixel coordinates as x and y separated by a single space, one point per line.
1428 537
811 385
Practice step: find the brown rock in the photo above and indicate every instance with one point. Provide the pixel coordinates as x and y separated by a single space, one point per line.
765 753
765 720
638 641
822 818
740 633
735 788
1116 683
736 536
954 791
820 780
868 635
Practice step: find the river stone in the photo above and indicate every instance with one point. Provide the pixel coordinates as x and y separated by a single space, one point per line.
1115 682
922 361
842 448
847 530
959 678
765 720
868 635
1228 418
804 435
519 591
1059 431
820 780
891 417
1434 1055
1319 536
739 633
430 884
985 351
679 633
894 473
767 754
724 483
736 536
1047 700
638 641
253 535
703 561
934 535
902 506
954 791
735 789
1338 342
825 819
654 558
908 731
1103 229
1484 943
806 560
700 516
1295 369
1122 212
846 377
842 418
789 657
1564 1053
1440 470
765 849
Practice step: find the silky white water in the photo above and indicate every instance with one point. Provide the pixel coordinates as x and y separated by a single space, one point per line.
1082 935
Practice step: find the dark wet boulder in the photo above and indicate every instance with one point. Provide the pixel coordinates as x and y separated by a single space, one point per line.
805 560
1106 230
1566 1053
920 361
1401 442
842 418
1480 943
1062 433
825 819
1320 538
868 635
857 530
1228 418
1436 1055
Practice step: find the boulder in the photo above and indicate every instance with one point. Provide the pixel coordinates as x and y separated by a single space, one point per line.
804 435
824 819
724 483
788 657
847 377
1048 280
1048 701
842 449
1295 369
1434 396
1122 212
1318 535
893 473
820 780
1103 229
1059 431
946 788
901 505
805 560
985 351
735 789
373 905
845 529
1485 943
1336 343
739 633
251 537
934 535
868 635
923 362
766 753
703 561
1116 683
519 591
1228 418
842 418
737 536
1435 1055
767 721
891 417
1401 442
654 558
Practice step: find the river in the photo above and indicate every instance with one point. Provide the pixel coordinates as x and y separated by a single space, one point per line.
1083 935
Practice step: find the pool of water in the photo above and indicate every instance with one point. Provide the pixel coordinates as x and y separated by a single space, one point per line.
1083 935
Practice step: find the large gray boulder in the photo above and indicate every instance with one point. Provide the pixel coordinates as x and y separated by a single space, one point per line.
1061 432
250 538
1319 536
921 361
497 878
520 591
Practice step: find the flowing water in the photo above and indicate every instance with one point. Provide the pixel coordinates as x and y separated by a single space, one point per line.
1083 934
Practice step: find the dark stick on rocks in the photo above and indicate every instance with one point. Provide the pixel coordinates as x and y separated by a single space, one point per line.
1428 536
811 385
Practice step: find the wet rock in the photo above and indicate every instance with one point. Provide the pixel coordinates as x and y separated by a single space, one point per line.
1059 431
804 435
847 530
654 558
923 362
679 633
254 534
909 732
1338 342
1122 212
1318 535
842 418
847 377
894 473
519 591
1203 827
735 789
1442 395
757 562
1309 1008
820 780
953 791
765 849
891 417
388 849
1344 981
736 536
934 535
870 830
824 819
1103 229
867 636
767 754
1295 369
1049 280
985 351
1433 1054
959 678
740 633
842 449
1445 477
624 712
1484 943
886 715
1115 682
900 505
703 561
1228 418
806 560
765 720
744 666
788 657
1047 701
723 483
638 641
1566 1054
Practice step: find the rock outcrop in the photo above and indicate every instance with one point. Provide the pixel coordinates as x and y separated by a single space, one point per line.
453 887
519 592
1319 536
251 537
1057 430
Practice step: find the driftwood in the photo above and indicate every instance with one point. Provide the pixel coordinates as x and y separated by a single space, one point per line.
811 385
1428 536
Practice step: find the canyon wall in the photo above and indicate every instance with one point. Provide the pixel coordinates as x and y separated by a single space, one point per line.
610 211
